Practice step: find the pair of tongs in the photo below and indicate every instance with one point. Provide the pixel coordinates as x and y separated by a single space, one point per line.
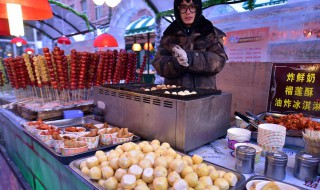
255 117
247 119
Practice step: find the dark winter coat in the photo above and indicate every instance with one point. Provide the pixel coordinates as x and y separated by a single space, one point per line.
204 48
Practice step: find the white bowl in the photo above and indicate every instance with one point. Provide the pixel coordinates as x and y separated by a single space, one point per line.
239 134
282 186
250 184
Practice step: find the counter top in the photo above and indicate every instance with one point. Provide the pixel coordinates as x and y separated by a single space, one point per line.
218 153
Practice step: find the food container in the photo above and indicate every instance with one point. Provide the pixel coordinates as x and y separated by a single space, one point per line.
70 151
275 165
258 150
306 166
116 140
262 185
47 139
237 135
253 181
92 142
56 144
245 159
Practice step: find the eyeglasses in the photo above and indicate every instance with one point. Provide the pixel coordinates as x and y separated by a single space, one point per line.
192 8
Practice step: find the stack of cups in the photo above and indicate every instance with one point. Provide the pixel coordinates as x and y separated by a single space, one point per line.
271 137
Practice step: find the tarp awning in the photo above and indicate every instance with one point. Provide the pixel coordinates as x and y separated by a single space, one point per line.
141 26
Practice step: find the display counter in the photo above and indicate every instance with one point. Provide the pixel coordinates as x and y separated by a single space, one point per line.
42 171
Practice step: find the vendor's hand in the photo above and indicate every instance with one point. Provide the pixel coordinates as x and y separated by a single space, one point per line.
182 62
181 55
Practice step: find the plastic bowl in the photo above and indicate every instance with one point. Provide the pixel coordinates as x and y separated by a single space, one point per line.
71 151
92 142
258 150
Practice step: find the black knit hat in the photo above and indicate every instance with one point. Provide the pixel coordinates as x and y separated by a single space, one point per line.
198 3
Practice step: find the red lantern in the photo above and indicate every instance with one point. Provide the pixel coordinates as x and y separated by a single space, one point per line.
18 41
32 10
4 29
29 50
105 40
64 40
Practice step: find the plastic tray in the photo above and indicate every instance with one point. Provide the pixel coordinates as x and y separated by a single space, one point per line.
73 122
258 177
75 165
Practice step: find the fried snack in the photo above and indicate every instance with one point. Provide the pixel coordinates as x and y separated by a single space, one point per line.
92 133
56 136
39 122
294 122
113 130
105 125
45 127
124 133
271 186
74 129
73 144
90 126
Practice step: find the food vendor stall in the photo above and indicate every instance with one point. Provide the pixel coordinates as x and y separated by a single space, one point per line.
35 147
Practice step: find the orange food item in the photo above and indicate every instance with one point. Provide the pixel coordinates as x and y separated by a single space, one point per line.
294 122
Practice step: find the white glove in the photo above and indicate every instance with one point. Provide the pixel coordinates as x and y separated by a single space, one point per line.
181 55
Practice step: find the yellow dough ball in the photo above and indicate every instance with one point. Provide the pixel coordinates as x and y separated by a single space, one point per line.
83 164
186 170
231 178
206 180
160 171
192 179
128 181
124 162
172 177
113 154
107 172
156 142
197 159
145 163
114 163
136 171
85 170
141 187
166 145
202 170
161 161
160 183
92 161
221 183
104 163
99 153
102 158
176 165
120 173
180 184
211 187
160 152
188 160
213 174
147 148
95 173
199 186
126 147
111 184
147 175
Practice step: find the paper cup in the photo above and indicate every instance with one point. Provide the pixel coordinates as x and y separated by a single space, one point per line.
92 142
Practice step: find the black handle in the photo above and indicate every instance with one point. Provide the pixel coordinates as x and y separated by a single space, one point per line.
246 119
255 117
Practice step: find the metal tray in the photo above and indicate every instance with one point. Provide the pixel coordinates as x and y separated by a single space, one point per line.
75 165
200 93
260 177
77 122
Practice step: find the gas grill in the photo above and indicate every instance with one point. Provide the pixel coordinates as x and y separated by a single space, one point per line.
186 122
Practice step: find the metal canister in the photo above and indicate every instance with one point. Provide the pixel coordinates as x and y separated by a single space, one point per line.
275 165
245 157
306 166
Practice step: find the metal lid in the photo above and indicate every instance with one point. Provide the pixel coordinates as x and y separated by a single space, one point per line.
277 156
245 151
308 158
